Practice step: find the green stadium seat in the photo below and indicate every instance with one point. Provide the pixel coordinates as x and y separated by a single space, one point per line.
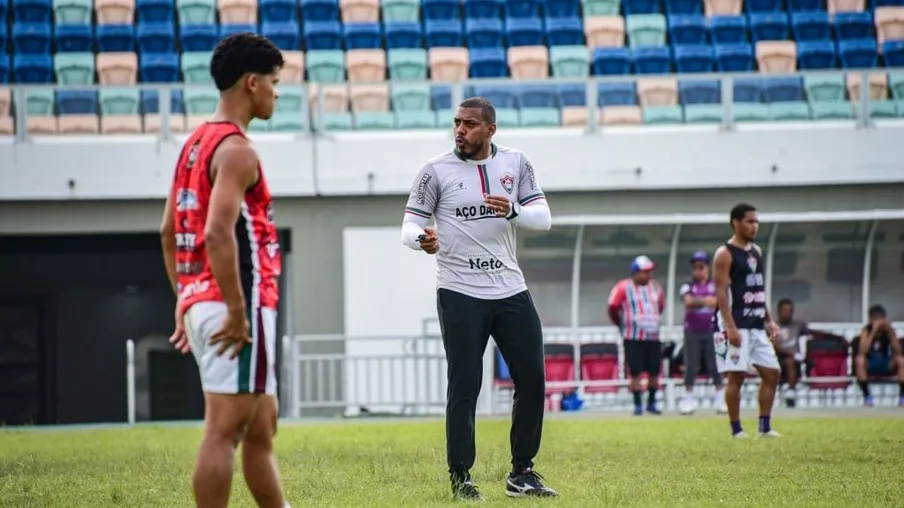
703 113
337 121
407 63
421 119
401 10
119 101
896 84
374 120
750 112
899 107
410 96
540 117
291 99
824 88
663 115
72 12
444 118
569 61
196 67
74 68
831 110
878 109
601 7
258 125
789 111
201 101
39 102
645 30
507 117
325 66
196 12
287 121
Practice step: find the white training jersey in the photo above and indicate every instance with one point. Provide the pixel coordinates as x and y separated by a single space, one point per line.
477 249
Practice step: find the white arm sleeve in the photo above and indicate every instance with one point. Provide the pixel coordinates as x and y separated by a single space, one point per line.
535 216
421 204
411 229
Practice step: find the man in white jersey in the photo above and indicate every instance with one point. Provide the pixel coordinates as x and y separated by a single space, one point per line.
477 194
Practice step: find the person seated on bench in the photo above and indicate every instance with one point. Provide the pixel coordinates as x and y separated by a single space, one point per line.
787 347
878 354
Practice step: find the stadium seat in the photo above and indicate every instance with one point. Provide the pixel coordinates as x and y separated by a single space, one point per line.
117 68
198 37
74 68
789 111
192 122
523 31
194 11
366 65
816 55
225 30
6 101
487 63
783 89
81 102
32 69
152 123
620 115
359 11
150 102
41 125
319 10
703 113
40 102
835 6
374 120
657 91
645 30
31 11
747 90
421 119
663 115
362 36
853 25
693 58
827 357
443 33
408 64
683 7
528 62
400 10
293 67
572 94
750 112
115 38
889 23
537 96
448 64
68 12
769 26
502 96
31 38
612 61
200 101
403 34
120 124
78 124
652 60
540 117
878 86
564 31
119 101
334 97
896 84
563 8
559 368
278 11
287 121
599 362
734 57
569 61
893 51
150 11
604 31
529 9
336 121
616 94
858 53
811 26
831 110
699 92
728 29
824 88
155 38
724 7
806 5
196 67
601 8
441 97
776 56
575 116
686 29
482 9
877 109
632 7
242 12
483 33
369 97
410 96
291 99
325 66
74 38
440 9
5 68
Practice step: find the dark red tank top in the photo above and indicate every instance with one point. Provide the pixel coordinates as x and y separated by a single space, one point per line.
258 243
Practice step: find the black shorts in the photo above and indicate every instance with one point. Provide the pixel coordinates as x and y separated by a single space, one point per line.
782 357
643 356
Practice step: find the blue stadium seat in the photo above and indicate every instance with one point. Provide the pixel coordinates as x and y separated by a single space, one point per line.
155 37
150 102
616 94
79 102
858 53
694 58
31 11
4 68
198 37
483 33
285 34
699 91
564 31
893 51
816 55
853 25
747 90
763 6
572 94
363 36
811 26
806 5
403 34
4 11
446 33
441 96
771 26
488 63
115 38
522 8
563 8
4 36
641 7
155 11
783 89
322 35
686 29
278 10
537 96
683 7
158 67
320 10
734 57
652 60
440 10
611 61
502 96
524 31
228 29
482 9
728 29
74 38
31 38
33 68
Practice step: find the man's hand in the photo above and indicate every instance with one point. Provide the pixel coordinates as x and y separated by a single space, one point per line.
429 241
233 334
709 301
179 339
773 330
500 204
733 336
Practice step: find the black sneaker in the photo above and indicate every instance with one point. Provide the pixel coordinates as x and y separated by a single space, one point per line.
464 489
527 483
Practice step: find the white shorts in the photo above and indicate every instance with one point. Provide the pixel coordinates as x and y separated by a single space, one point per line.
755 349
252 371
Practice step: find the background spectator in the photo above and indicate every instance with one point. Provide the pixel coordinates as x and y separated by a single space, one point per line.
878 354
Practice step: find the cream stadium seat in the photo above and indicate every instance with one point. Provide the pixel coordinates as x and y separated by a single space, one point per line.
41 124
193 121
293 70
448 64
575 116
115 12
722 7
604 31
370 97
528 62
845 6
657 91
7 126
335 97
120 124
152 123
78 124
6 101
889 24
237 11
620 115
776 56
117 68
360 11
366 65
878 86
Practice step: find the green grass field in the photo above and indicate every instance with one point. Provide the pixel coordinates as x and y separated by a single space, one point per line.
824 460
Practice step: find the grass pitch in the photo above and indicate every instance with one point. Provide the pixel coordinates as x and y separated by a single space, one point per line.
824 460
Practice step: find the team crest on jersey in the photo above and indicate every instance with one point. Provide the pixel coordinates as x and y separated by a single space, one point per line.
193 154
735 358
508 182
751 262
186 199
270 214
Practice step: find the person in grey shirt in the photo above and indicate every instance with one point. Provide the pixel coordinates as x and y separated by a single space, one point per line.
477 194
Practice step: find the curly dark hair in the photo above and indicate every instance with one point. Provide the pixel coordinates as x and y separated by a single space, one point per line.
487 111
240 54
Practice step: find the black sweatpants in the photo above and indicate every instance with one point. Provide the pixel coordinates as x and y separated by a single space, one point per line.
466 325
